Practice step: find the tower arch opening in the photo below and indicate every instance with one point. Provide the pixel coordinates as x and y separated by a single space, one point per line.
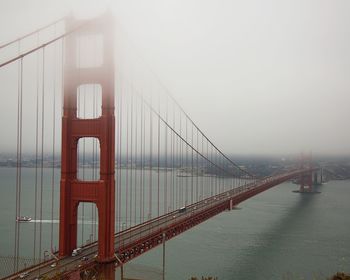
88 150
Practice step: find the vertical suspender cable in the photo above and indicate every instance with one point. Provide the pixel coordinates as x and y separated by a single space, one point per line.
118 179
197 164
127 161
186 199
212 172
202 187
83 167
17 169
218 177
136 162
192 170
140 167
216 170
173 158
208 171
177 159
120 156
143 162
62 77
42 151
221 178
36 153
20 155
181 165
166 160
158 161
53 146
172 163
94 171
117 154
131 155
19 162
150 161
96 157
94 153
95 143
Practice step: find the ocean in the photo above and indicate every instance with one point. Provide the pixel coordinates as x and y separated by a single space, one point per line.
275 235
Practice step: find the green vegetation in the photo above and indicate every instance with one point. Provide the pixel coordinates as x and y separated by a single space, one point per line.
337 276
341 276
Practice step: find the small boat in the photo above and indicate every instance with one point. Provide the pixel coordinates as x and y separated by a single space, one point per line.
23 219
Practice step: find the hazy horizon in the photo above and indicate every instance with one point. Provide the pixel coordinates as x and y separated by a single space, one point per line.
258 78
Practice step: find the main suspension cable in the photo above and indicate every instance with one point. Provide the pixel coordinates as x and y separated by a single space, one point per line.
32 33
47 43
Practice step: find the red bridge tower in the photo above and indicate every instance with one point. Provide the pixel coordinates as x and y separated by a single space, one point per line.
73 190
306 178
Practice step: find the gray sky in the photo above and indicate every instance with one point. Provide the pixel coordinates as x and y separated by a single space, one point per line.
258 77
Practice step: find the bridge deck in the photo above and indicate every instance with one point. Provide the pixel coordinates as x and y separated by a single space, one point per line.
139 239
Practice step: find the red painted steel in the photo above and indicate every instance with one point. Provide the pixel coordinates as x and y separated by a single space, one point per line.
73 190
143 237
222 202
305 179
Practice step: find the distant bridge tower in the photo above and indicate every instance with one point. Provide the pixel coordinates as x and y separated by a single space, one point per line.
306 178
73 190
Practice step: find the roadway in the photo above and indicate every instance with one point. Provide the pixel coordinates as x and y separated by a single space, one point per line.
138 239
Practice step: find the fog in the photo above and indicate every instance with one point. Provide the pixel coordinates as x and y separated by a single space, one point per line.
258 77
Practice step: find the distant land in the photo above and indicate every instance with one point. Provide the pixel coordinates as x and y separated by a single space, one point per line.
333 167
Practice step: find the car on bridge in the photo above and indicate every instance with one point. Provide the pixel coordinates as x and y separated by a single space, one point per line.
76 252
23 275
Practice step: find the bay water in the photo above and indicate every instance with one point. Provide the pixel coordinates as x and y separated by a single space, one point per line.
275 235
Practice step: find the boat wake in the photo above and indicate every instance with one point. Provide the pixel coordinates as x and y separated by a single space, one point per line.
85 222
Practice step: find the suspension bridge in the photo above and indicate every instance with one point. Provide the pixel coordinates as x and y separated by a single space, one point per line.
135 170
